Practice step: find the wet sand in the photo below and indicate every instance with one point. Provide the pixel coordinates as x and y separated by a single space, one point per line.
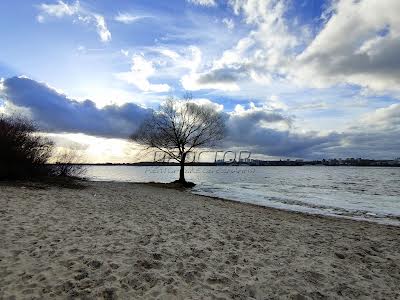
134 241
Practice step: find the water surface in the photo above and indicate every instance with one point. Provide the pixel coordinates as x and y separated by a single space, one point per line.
371 193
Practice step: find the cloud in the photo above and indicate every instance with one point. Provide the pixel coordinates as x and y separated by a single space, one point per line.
215 79
207 102
78 14
263 129
125 52
275 103
170 53
127 18
203 2
261 116
359 44
102 30
224 80
55 112
229 23
59 10
259 56
268 45
386 118
267 131
374 135
141 71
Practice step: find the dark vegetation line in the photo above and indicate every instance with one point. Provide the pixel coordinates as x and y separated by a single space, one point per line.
24 152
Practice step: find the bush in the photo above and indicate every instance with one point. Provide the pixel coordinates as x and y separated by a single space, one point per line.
23 152
67 165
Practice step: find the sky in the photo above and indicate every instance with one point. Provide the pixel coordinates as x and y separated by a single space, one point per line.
305 79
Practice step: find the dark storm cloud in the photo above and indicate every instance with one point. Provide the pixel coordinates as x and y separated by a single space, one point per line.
54 112
376 136
245 130
258 130
365 142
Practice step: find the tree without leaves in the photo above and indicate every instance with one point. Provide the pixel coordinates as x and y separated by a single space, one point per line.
179 127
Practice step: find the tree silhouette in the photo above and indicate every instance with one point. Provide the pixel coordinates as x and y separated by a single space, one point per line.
178 127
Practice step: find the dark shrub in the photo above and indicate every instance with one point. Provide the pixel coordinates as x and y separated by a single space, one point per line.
67 165
23 152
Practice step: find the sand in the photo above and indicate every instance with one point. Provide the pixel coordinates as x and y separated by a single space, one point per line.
135 241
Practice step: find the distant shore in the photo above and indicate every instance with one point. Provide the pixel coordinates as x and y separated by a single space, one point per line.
116 240
282 163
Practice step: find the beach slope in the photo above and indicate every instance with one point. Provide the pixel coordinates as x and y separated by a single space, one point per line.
134 241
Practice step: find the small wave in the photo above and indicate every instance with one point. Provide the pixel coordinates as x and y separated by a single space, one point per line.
255 197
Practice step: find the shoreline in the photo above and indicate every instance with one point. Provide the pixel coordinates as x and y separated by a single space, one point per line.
316 214
119 240
329 216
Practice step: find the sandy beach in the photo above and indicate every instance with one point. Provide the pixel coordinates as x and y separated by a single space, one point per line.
136 241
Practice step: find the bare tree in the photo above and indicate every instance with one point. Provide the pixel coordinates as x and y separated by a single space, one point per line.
179 127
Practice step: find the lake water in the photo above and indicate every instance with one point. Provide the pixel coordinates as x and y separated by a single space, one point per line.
370 193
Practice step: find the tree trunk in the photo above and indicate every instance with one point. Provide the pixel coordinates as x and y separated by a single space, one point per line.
182 170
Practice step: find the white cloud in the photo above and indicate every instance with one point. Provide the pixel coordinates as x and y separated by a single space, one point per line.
207 102
60 9
102 30
78 13
261 116
162 62
196 80
127 18
385 118
275 103
170 53
259 56
125 52
359 44
203 2
270 43
104 95
141 71
230 24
